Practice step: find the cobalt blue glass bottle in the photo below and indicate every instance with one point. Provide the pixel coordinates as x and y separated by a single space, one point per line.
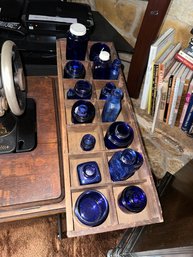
123 164
115 69
106 90
77 41
74 70
82 112
112 106
119 135
101 66
96 49
81 90
87 142
132 199
88 173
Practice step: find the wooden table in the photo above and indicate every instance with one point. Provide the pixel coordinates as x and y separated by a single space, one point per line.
32 183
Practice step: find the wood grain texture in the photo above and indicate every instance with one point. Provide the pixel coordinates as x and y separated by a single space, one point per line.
34 178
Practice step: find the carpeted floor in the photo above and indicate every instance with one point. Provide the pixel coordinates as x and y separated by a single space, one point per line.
38 238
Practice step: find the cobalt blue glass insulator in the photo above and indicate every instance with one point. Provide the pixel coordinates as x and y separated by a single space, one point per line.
91 208
132 199
74 70
88 173
82 112
119 135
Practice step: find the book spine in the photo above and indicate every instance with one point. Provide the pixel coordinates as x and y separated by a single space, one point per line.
185 56
182 102
184 61
188 119
153 88
163 100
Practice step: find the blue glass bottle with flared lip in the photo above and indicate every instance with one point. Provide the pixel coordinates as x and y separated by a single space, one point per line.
115 69
132 199
124 164
82 112
81 90
88 173
119 135
112 106
87 142
107 90
76 42
74 70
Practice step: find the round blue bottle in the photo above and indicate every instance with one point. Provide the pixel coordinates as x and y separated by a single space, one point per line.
112 106
81 90
132 199
123 164
87 142
82 112
106 90
77 41
101 66
74 70
119 135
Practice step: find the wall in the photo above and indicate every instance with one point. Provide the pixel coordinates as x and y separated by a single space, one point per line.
126 17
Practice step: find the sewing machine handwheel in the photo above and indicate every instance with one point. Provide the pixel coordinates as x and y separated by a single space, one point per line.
13 78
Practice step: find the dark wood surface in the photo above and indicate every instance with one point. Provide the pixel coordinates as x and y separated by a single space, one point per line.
150 26
34 179
177 205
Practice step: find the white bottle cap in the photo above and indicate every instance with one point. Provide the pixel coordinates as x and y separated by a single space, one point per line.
78 29
104 55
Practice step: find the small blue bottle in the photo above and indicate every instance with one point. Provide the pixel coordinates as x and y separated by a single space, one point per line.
132 199
74 70
123 164
96 48
115 69
77 41
87 142
106 90
81 90
119 135
112 106
88 173
82 112
101 66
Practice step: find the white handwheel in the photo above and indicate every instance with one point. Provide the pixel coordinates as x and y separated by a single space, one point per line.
13 79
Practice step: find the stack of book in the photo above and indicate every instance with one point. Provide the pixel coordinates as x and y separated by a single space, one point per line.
168 84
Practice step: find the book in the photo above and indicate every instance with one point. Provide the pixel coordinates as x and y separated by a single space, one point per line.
164 91
185 60
153 85
183 97
186 56
187 99
174 95
156 49
162 66
179 95
170 82
188 118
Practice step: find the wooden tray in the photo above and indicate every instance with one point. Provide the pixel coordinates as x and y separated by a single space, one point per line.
73 155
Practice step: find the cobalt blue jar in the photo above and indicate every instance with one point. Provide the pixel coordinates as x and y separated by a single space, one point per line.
132 199
119 135
88 173
82 112
81 90
74 70
96 49
107 90
87 142
77 41
123 164
101 66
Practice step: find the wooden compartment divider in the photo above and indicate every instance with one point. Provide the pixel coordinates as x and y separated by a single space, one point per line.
73 155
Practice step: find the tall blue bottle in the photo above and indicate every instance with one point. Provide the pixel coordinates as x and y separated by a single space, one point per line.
77 41
101 66
123 164
115 69
112 106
